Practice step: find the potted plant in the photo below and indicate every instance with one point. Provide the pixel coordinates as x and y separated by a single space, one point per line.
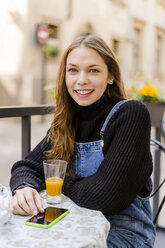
153 98
51 52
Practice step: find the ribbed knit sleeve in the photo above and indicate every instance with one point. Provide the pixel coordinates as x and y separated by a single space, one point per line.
126 167
30 169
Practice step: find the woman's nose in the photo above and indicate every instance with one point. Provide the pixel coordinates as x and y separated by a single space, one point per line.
82 79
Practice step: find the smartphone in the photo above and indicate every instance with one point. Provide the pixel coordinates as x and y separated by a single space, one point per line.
47 219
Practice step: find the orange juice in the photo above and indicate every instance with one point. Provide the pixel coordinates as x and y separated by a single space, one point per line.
54 186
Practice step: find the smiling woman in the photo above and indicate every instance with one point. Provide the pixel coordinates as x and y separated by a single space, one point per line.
87 75
104 137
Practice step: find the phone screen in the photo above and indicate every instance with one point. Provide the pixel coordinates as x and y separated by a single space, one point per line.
49 215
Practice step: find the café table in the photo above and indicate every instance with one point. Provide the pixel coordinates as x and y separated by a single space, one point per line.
81 228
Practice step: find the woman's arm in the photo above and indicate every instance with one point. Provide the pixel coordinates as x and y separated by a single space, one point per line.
27 179
126 167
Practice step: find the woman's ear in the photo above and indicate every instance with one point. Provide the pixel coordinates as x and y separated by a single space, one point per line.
110 80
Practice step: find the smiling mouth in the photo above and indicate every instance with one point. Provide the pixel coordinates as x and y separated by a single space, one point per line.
84 92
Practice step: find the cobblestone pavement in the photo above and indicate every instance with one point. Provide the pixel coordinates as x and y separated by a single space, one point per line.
10 151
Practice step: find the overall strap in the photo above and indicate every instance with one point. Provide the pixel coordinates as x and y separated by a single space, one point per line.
112 112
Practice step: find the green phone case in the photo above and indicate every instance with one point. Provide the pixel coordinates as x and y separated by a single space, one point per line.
50 224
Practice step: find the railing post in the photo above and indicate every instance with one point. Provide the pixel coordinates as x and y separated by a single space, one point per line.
26 135
156 172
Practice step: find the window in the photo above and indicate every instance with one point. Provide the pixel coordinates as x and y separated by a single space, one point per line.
137 49
116 49
52 48
116 46
53 31
159 53
53 26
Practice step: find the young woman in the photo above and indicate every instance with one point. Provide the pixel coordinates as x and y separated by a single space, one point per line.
106 141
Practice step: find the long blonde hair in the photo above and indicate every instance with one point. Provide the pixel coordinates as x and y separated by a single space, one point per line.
63 129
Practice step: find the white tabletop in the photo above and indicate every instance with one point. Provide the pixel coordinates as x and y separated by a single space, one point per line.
80 228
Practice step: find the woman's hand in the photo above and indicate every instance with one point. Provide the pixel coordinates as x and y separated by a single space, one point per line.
26 201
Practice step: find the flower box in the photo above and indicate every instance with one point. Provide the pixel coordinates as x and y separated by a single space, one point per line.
156 110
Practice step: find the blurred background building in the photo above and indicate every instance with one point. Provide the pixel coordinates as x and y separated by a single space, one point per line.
135 30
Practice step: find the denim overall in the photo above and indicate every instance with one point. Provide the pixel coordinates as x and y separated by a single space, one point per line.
132 227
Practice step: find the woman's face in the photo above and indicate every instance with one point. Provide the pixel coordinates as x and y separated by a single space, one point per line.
86 75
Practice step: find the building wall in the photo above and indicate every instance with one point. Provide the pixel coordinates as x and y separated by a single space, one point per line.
135 30
11 47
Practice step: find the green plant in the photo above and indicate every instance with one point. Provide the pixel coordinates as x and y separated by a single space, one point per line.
51 52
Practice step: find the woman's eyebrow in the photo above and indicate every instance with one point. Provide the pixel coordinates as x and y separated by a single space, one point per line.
70 64
93 65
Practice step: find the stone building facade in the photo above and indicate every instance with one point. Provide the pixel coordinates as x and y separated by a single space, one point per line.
135 30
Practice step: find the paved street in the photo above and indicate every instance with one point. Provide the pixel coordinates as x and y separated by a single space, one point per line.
10 151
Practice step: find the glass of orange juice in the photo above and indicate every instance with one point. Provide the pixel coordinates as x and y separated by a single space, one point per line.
54 171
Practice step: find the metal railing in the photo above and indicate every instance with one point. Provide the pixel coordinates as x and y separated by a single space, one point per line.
26 112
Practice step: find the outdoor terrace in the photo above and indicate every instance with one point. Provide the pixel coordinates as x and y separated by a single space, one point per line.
25 132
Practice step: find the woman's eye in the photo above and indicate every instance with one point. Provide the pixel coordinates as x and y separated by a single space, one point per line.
94 70
72 70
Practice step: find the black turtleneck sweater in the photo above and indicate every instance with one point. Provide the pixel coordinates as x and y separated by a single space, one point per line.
127 164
